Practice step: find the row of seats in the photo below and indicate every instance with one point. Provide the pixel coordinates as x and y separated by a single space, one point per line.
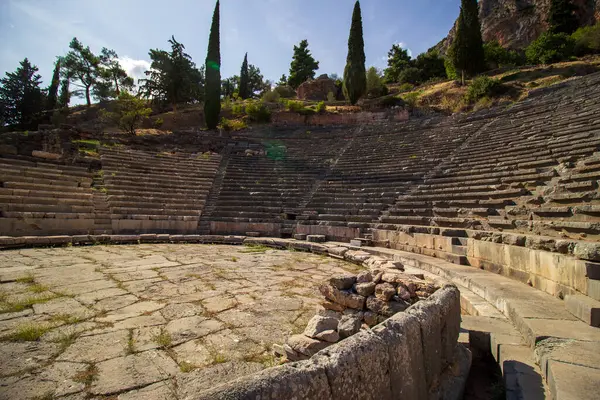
44 198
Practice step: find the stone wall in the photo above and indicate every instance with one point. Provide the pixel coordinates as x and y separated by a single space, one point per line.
288 118
412 355
556 266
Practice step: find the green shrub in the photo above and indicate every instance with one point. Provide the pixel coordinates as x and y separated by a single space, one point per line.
411 75
587 39
330 97
483 86
158 122
232 125
285 92
550 48
497 56
411 99
450 70
406 87
293 105
237 108
129 112
257 111
321 107
271 96
375 86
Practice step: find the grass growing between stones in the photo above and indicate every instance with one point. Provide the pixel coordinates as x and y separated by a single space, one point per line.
27 279
130 342
88 376
27 333
255 248
65 319
186 367
163 339
7 306
66 340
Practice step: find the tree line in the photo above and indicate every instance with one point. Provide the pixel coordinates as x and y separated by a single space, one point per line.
173 77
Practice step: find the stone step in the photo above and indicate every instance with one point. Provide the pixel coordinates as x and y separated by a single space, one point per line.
584 308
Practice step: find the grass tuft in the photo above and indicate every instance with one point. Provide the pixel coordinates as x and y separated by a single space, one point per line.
163 339
27 333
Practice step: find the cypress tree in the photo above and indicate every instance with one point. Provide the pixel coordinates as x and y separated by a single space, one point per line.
562 17
355 74
212 102
466 52
53 89
244 81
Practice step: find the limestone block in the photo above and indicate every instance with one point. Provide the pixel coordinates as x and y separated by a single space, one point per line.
316 238
342 282
318 324
349 325
357 368
302 380
584 308
587 251
385 291
305 345
448 298
343 297
429 315
364 277
365 289
328 336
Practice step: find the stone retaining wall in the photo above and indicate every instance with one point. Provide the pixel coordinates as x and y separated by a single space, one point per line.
287 118
557 266
412 355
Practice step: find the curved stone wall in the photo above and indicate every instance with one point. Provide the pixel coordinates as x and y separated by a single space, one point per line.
412 355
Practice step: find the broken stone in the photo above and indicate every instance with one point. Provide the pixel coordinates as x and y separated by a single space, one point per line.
403 293
328 336
342 282
386 308
319 324
385 291
330 305
587 251
370 318
305 345
348 326
344 298
364 277
365 289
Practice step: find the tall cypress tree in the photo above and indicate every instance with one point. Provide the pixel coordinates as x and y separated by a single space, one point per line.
53 89
244 81
562 17
355 74
212 102
466 52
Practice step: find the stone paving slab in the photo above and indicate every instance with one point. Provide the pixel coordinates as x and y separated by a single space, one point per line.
149 321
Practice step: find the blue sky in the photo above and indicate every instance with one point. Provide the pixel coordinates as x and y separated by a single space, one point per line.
266 29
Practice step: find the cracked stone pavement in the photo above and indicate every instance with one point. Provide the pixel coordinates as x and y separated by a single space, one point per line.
152 321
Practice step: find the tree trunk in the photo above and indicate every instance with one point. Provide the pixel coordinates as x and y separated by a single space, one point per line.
463 77
87 96
118 92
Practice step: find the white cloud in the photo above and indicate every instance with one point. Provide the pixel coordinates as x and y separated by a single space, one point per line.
405 47
134 68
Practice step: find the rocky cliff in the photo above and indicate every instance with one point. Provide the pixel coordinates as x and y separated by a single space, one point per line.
516 23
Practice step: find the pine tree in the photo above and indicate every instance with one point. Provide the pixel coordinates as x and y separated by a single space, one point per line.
212 98
244 87
303 65
355 74
466 52
562 17
21 98
53 89
84 66
283 81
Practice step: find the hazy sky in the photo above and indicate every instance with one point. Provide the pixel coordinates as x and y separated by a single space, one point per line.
266 29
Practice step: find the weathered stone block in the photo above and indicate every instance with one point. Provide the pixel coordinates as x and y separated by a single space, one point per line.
318 324
316 238
357 368
365 289
305 345
342 282
584 308
349 325
344 298
402 337
385 291
429 315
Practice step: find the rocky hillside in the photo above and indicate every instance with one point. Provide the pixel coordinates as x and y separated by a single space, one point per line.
516 23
